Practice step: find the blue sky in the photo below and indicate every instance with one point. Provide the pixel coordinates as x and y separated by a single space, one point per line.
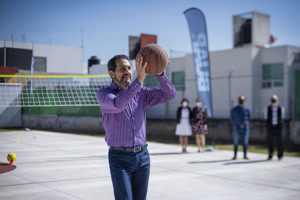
107 24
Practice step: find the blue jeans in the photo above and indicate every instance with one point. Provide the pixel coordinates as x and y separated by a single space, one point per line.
244 134
129 174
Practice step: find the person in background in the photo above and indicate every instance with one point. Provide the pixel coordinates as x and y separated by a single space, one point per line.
183 127
274 115
199 125
240 116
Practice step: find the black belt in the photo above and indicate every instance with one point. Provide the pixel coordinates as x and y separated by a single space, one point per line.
135 149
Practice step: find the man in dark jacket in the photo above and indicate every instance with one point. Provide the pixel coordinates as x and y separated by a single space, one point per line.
240 116
274 115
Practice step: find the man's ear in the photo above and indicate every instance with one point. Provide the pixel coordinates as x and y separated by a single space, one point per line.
112 74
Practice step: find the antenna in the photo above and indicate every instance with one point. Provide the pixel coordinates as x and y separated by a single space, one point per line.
23 37
4 53
12 40
81 31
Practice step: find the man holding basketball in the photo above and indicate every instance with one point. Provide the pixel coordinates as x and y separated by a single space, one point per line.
123 106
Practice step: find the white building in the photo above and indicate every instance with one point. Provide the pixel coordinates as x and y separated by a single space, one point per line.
48 58
251 68
252 71
255 72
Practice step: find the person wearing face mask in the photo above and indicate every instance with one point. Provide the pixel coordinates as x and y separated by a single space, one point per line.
199 125
274 115
183 128
239 117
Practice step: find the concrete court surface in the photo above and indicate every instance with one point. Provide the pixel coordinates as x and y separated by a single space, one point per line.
55 166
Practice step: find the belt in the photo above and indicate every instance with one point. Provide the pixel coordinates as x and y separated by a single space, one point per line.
135 149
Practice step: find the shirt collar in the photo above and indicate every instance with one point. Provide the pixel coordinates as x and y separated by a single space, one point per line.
113 86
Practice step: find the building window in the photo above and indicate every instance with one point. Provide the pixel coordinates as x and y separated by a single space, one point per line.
151 81
296 57
178 80
40 64
272 75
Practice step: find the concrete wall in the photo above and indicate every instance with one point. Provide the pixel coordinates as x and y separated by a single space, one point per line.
60 59
295 132
221 131
237 61
99 69
257 111
293 66
163 130
260 29
63 123
276 55
185 64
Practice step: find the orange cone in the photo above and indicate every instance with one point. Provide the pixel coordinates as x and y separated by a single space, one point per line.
12 163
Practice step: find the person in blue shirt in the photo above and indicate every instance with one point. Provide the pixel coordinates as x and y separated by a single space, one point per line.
239 117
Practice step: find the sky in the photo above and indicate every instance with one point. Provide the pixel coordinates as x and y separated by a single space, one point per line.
106 24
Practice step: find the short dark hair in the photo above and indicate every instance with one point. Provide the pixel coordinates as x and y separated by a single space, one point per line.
111 65
242 98
184 99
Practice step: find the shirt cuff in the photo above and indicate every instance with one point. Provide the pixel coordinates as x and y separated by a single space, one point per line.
163 73
136 84
163 76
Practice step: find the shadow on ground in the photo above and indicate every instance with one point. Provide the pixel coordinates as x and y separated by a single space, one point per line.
5 167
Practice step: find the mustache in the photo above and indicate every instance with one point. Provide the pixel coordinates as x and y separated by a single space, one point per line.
126 75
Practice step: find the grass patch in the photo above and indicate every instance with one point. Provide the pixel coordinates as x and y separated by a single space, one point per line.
6 130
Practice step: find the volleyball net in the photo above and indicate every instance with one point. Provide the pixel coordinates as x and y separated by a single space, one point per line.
51 90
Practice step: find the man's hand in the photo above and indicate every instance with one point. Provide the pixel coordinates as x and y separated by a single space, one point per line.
140 68
242 126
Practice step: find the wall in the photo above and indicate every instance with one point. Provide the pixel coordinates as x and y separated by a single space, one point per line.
61 123
190 92
245 63
294 66
257 111
60 59
238 62
220 131
162 130
260 29
276 55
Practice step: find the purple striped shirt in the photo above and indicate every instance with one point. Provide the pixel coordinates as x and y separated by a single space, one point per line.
124 111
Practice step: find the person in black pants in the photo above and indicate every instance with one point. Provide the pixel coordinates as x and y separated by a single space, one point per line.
274 115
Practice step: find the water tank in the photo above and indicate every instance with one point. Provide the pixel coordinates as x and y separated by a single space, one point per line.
93 60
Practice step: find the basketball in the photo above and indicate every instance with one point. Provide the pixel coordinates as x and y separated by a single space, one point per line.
156 58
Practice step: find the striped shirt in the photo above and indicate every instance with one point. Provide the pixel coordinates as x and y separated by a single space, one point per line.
124 111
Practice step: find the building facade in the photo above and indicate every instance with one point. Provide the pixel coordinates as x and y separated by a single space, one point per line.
48 58
254 72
